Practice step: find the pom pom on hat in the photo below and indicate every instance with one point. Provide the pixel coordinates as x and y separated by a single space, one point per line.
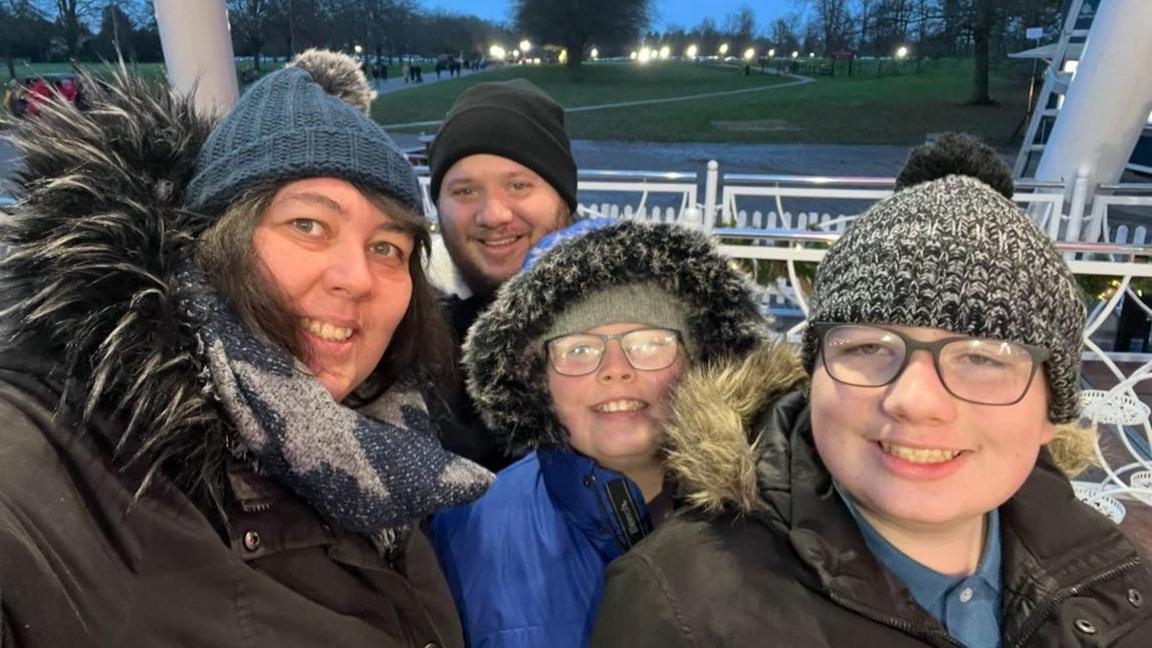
338 74
956 154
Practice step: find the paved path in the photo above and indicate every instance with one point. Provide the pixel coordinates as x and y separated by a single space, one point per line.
396 78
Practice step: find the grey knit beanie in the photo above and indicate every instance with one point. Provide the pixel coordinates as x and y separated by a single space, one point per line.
512 119
947 251
643 303
671 272
305 121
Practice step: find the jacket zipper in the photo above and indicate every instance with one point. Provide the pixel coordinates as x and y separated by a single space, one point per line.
906 626
1039 618
593 484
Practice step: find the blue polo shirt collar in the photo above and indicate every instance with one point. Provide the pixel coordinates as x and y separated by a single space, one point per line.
967 606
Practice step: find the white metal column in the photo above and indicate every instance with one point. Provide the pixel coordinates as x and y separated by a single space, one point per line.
1108 100
198 56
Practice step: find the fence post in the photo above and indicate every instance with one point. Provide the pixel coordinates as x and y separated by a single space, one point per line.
711 180
1076 208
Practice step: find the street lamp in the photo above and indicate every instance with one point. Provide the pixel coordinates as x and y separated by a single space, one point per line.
595 53
525 46
516 54
795 54
691 51
811 54
665 52
771 53
645 54
723 49
496 52
358 49
902 52
749 54
633 55
563 58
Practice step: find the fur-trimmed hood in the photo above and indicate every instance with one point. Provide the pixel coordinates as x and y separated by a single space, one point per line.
94 241
503 352
709 452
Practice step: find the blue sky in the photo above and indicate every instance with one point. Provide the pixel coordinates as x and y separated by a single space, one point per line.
685 13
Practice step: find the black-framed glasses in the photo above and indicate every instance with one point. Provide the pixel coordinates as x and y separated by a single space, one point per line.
978 370
647 349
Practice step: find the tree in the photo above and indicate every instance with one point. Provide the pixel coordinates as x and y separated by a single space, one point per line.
835 23
248 19
576 24
741 25
70 20
115 38
783 34
20 23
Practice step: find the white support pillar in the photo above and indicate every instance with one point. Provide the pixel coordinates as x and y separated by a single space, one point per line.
198 56
1108 100
711 182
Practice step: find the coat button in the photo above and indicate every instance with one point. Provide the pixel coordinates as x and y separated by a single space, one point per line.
1135 598
1085 626
251 540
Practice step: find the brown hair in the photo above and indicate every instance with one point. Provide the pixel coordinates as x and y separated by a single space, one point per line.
422 342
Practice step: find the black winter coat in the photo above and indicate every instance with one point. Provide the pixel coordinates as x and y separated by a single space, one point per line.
123 519
771 557
82 564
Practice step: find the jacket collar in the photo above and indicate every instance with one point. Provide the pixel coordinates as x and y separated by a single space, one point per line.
605 505
1051 544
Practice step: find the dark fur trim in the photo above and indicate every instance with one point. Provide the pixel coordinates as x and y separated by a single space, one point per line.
95 238
339 74
503 355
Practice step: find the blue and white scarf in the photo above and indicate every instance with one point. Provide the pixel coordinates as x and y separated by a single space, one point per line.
374 471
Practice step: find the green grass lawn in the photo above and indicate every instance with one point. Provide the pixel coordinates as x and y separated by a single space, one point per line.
860 110
24 69
596 83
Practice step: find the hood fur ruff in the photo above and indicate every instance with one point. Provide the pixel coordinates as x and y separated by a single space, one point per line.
709 454
94 240
503 354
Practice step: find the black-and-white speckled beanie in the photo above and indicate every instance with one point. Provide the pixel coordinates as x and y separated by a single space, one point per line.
948 251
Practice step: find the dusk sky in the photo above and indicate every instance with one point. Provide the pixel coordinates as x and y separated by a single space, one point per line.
685 13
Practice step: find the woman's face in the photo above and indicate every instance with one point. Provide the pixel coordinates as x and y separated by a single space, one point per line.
615 414
342 264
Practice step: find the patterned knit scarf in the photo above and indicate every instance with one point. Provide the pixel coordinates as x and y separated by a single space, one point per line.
375 471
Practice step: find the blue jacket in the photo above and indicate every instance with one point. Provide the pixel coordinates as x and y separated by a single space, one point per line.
526 561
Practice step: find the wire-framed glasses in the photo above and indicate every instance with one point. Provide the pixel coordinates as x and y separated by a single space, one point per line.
647 349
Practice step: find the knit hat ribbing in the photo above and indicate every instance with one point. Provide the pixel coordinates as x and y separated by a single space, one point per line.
503 353
512 119
643 303
952 253
288 126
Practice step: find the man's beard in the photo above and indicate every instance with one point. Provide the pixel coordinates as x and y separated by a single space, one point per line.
470 273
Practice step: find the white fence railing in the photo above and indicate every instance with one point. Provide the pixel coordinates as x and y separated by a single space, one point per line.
1067 212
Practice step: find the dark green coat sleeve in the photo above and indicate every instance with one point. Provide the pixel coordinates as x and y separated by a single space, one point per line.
638 609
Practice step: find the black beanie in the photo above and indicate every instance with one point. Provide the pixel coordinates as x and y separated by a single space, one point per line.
513 119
